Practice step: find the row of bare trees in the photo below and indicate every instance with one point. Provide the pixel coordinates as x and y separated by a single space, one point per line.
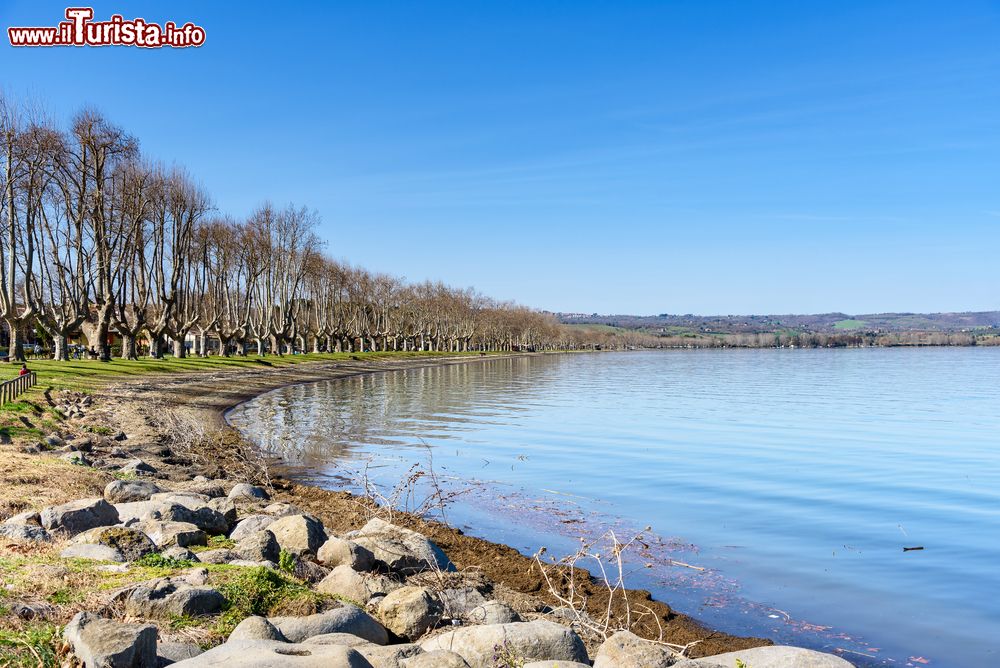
98 241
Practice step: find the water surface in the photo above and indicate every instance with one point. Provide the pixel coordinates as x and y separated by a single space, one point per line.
794 477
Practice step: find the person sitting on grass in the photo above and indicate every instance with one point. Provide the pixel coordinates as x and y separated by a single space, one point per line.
24 370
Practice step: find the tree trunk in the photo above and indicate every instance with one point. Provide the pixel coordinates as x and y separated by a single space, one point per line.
128 347
179 351
60 352
16 350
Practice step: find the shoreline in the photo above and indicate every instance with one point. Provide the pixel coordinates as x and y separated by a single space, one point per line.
202 400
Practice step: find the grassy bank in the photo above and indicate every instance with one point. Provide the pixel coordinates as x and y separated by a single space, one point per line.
90 375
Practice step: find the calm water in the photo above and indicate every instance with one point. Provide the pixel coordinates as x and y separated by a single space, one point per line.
794 477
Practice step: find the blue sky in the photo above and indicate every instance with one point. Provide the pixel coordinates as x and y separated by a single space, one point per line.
628 157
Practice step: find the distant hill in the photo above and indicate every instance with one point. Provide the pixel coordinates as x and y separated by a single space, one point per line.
668 324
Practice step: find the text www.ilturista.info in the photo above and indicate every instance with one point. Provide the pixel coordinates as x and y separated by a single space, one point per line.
80 30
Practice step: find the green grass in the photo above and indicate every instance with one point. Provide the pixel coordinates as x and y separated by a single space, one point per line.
90 375
34 646
849 324
261 591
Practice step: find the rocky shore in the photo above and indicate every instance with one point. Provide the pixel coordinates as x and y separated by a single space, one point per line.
191 555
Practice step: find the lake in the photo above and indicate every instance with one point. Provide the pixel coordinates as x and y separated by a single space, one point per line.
795 478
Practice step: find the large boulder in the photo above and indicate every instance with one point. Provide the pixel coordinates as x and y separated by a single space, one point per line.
128 491
410 612
778 656
400 549
299 534
256 628
539 640
250 524
165 598
275 654
258 546
169 534
129 541
346 583
169 653
226 508
493 612
246 491
344 619
77 516
24 533
339 552
627 650
205 518
459 602
91 552
388 656
439 658
102 643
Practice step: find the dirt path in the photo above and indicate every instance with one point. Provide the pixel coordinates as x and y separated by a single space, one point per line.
189 407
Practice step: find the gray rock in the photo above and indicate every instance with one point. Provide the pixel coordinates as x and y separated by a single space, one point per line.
29 610
441 658
173 597
309 571
249 525
345 639
129 541
24 533
401 549
246 491
168 534
91 552
76 457
169 653
627 650
493 612
126 491
274 654
299 534
101 643
54 440
778 656
388 656
226 508
211 488
281 509
27 517
192 500
345 619
539 640
138 467
344 582
258 546
256 628
217 556
410 612
459 602
76 516
176 552
206 519
339 552
131 511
